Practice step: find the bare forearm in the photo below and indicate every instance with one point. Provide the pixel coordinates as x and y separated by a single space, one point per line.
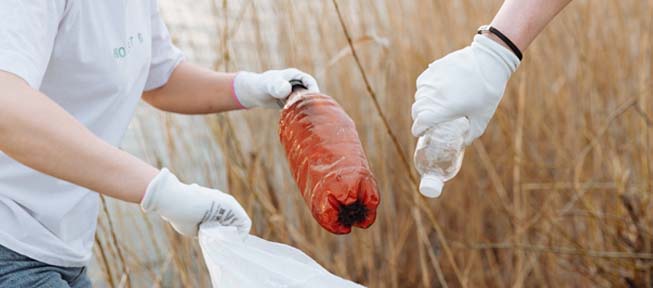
194 90
523 20
38 133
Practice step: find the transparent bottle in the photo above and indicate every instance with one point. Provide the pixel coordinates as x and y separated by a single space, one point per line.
439 155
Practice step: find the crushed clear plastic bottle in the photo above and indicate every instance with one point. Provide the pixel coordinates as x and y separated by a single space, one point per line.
439 155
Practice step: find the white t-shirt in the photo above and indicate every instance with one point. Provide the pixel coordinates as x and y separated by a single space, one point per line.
94 59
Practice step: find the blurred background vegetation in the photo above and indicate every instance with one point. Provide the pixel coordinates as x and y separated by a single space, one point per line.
556 193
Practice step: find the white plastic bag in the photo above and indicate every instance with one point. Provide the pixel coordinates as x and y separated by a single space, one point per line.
254 262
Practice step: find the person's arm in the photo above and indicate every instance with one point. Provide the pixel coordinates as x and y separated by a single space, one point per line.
192 89
523 20
175 85
40 134
470 82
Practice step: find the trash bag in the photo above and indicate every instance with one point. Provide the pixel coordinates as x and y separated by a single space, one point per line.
254 262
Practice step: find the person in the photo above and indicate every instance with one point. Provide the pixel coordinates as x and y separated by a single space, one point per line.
71 75
470 82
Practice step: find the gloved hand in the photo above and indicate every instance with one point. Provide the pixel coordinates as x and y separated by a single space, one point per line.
467 83
265 89
188 206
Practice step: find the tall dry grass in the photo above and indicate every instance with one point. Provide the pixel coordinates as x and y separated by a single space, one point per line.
556 193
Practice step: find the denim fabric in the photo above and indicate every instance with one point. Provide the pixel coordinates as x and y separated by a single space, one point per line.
19 271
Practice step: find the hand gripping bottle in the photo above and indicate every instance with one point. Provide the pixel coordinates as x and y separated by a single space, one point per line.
327 161
439 155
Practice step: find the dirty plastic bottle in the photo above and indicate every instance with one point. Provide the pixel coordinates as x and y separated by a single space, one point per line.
439 155
327 161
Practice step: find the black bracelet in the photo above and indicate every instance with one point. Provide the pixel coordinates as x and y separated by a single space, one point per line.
503 38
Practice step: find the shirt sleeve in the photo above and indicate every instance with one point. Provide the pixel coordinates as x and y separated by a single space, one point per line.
165 56
27 32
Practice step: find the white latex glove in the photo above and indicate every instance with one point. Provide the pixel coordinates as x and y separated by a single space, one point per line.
267 88
188 206
467 83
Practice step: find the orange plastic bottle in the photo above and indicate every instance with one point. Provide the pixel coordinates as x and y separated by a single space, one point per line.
327 161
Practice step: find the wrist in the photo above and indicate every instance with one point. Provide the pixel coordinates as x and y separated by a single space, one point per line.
146 179
246 90
155 195
500 38
127 177
234 96
495 38
518 30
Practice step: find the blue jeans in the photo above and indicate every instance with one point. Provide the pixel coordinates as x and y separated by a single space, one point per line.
20 271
